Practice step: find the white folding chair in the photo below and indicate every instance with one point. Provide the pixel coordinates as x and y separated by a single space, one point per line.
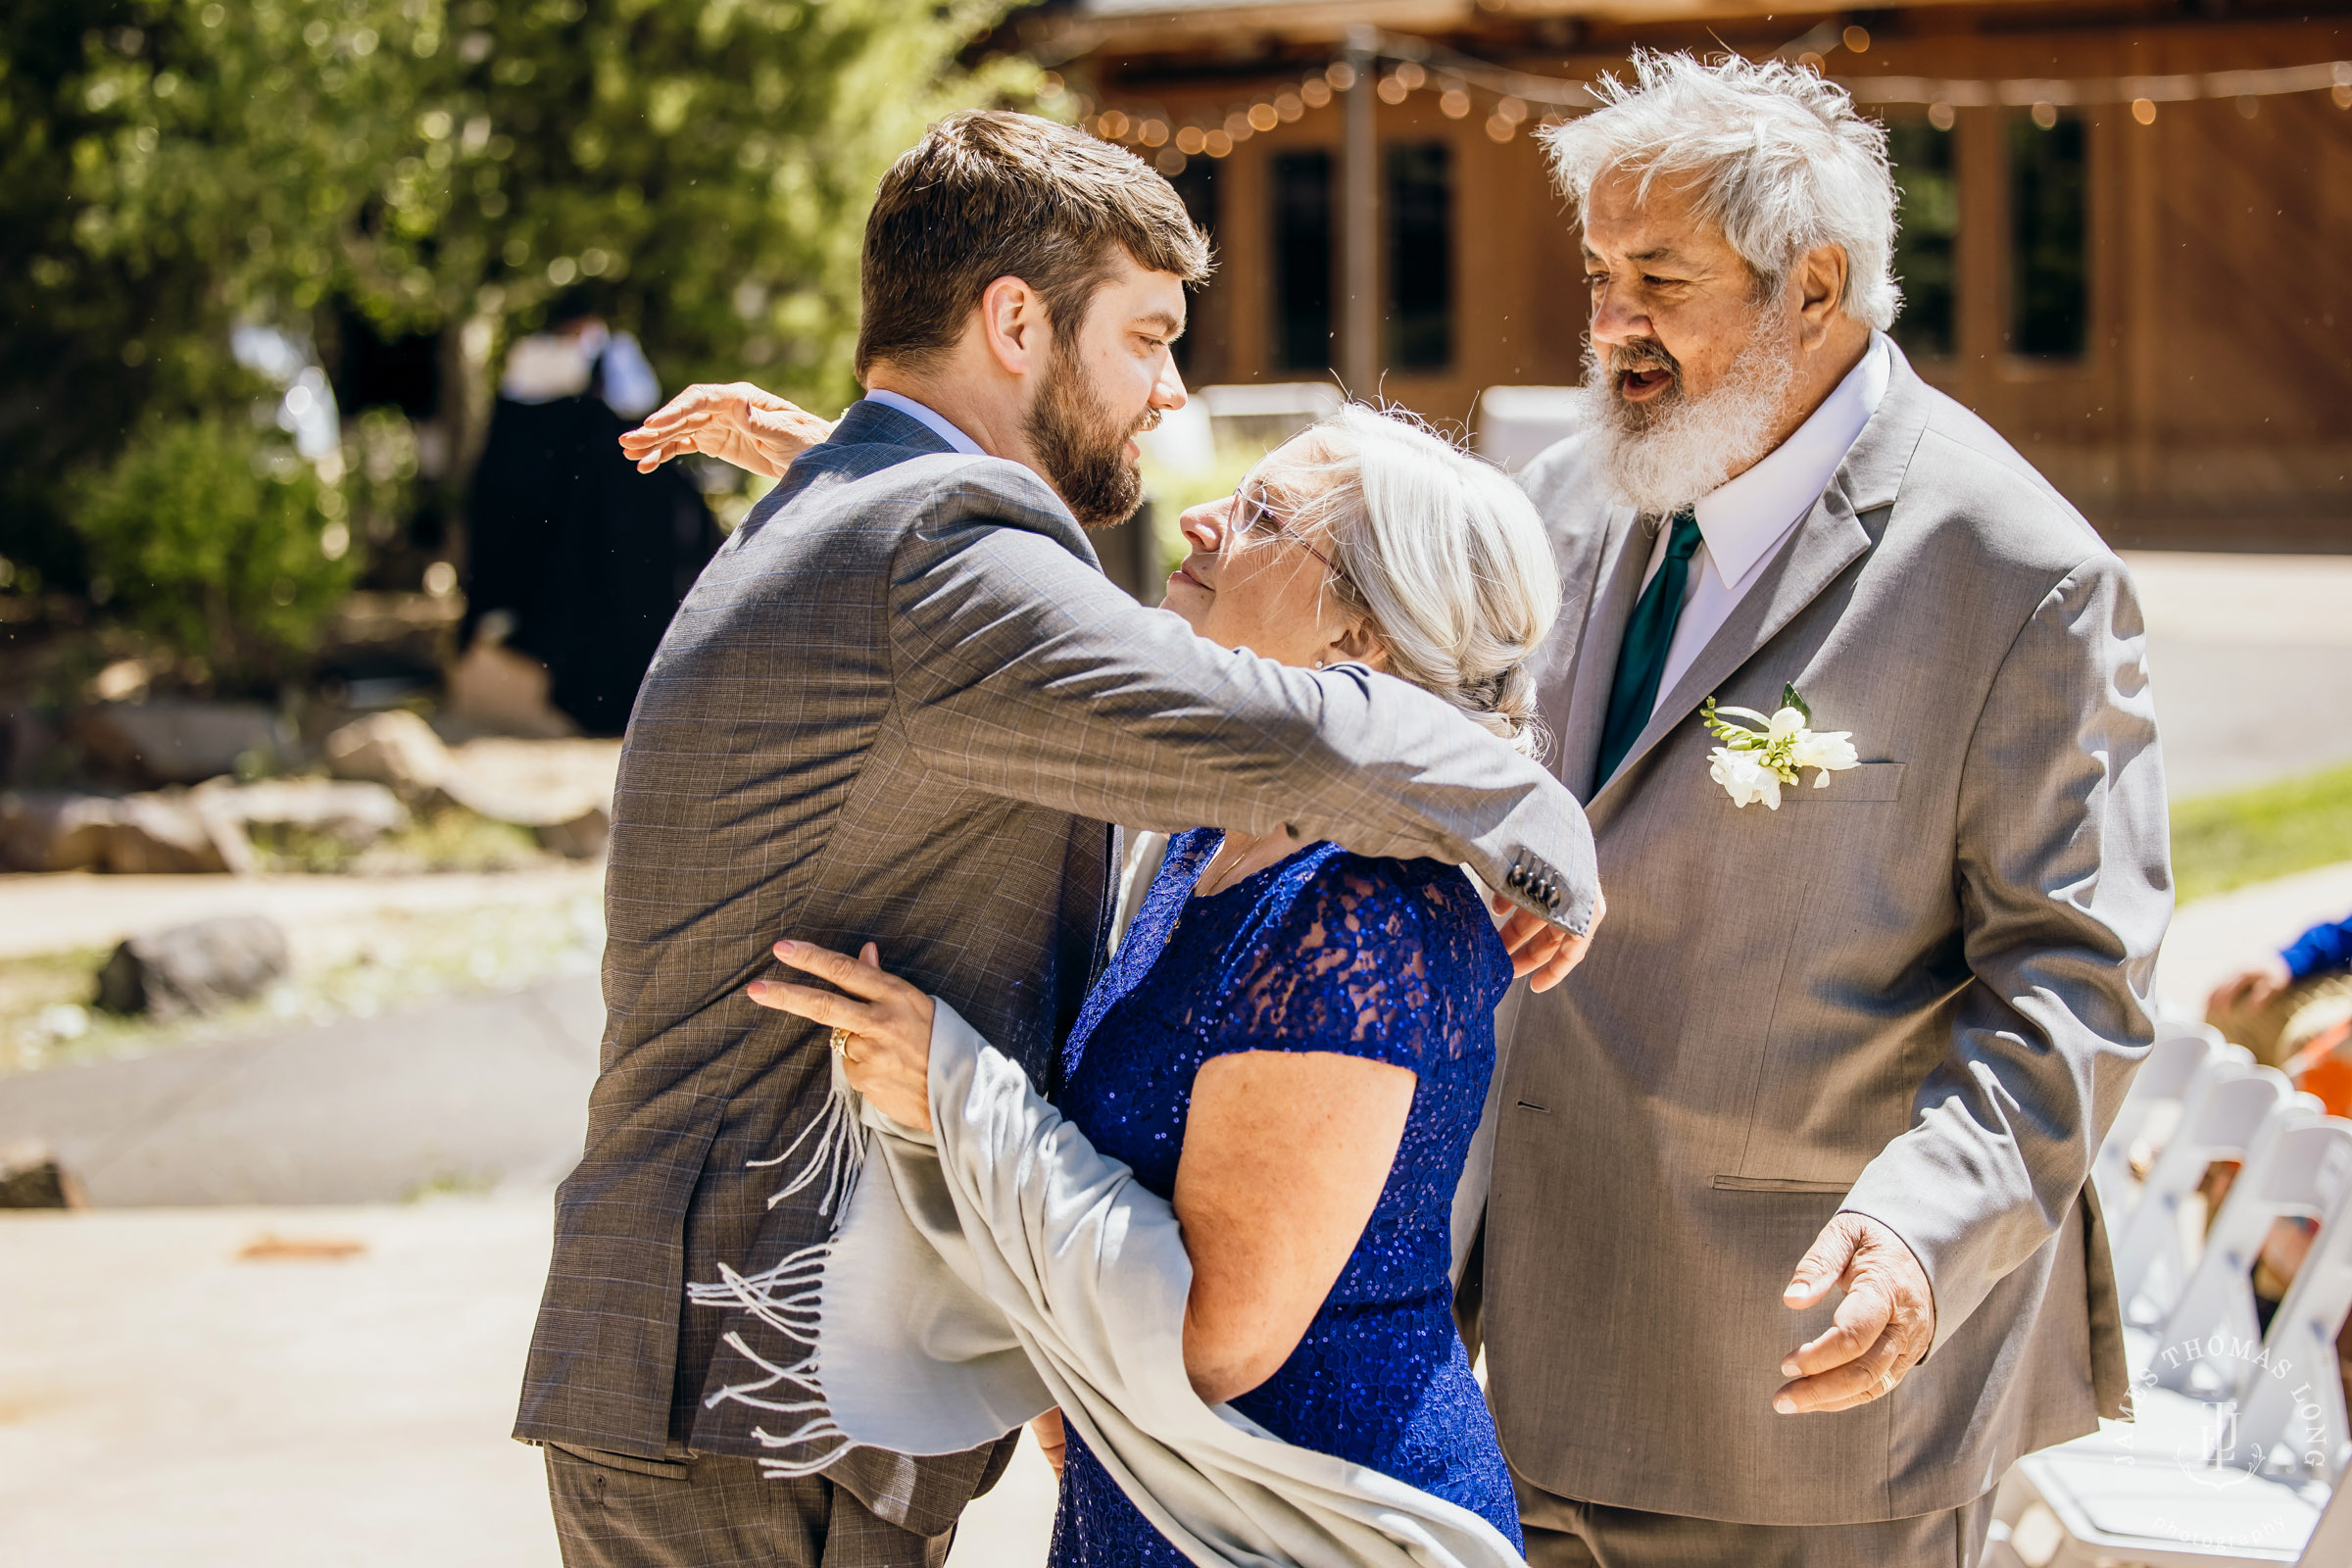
2299 1409
2172 1063
2300 1169
2233 1457
2221 1118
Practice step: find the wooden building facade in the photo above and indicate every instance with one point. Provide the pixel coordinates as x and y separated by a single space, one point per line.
2134 265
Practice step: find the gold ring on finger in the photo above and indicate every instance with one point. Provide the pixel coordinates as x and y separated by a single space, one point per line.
840 1042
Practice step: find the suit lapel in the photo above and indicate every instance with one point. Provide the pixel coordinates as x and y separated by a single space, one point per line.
1830 539
1608 604
1826 542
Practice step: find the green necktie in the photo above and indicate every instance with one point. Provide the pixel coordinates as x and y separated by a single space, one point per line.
1641 659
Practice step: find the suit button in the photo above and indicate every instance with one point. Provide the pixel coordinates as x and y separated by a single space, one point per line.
1518 876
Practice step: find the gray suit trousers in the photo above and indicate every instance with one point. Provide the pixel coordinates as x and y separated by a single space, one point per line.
1562 1533
717 1511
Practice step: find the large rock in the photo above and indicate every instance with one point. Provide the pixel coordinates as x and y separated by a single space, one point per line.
351 813
53 830
180 741
56 830
395 749
559 789
169 831
195 967
31 1178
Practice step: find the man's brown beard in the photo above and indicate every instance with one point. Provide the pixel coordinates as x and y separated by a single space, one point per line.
1083 446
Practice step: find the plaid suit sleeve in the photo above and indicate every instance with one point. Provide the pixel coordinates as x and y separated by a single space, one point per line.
1022 672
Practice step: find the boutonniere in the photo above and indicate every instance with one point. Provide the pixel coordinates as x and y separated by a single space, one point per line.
1759 754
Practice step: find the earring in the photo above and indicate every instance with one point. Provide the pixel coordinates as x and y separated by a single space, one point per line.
1318 664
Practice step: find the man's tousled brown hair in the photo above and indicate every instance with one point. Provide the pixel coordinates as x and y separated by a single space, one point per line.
989 194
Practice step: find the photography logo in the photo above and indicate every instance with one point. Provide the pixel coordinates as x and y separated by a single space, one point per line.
2198 1429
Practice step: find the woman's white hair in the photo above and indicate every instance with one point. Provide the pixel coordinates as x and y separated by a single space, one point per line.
1781 161
1438 550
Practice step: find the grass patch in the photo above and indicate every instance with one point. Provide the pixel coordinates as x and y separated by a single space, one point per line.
2222 842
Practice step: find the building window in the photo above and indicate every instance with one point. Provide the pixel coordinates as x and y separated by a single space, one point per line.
1302 258
1196 186
2049 271
1927 240
1420 211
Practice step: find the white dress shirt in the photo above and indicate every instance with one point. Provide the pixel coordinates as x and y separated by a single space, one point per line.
1745 521
930 418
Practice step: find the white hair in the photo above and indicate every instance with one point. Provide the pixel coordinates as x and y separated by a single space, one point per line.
1438 550
1783 162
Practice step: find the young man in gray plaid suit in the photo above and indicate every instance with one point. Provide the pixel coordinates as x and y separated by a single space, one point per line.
901 706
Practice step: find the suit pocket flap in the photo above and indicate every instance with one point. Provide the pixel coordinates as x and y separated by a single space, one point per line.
1863 784
1778 1184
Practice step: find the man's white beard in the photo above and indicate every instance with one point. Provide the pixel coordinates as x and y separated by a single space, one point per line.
1662 464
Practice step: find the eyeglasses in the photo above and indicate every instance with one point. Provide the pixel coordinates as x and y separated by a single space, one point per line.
1251 515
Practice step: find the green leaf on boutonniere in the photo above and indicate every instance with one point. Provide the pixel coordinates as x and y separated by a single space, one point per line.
1789 698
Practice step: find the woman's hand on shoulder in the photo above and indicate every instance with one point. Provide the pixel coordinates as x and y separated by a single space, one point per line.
883 1024
744 424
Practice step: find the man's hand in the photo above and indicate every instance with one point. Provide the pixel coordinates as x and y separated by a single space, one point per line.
1052 1440
2249 989
748 427
1883 1327
1541 949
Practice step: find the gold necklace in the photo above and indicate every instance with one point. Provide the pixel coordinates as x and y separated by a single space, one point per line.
1220 882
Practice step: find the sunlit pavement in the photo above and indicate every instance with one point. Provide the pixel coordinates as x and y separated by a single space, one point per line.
290 1387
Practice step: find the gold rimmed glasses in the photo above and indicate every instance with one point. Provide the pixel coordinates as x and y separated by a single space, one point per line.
1251 515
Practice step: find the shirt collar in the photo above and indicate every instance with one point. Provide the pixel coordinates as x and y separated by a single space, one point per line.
930 418
1745 516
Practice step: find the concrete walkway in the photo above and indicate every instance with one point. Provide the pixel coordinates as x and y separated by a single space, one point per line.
2251 657
285 1387
469 1094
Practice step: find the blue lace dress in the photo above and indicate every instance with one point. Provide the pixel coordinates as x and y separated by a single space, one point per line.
1325 952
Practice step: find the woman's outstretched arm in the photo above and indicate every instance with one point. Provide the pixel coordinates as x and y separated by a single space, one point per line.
1285 1157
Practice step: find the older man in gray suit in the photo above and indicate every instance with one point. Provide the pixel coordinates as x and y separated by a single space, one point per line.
1864 1036
903 705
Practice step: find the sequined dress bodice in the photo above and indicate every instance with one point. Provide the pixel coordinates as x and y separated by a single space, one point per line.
1393 961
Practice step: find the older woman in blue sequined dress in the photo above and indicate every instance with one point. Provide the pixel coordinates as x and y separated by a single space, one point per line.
1293 1042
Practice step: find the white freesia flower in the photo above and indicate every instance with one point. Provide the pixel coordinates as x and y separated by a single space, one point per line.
1831 750
1744 779
1761 754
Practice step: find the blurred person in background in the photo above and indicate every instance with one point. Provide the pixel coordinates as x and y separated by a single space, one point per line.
576 560
2283 1005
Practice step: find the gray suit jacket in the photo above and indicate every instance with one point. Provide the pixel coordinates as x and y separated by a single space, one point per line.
902 704
1919 993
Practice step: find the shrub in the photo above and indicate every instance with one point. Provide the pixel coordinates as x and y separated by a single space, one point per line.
219 542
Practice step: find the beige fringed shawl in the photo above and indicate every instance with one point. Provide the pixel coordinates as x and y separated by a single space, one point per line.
985 1274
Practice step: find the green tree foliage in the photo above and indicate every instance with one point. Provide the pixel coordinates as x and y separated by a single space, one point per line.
212 538
170 165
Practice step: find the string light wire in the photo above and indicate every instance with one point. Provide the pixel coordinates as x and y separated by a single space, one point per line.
1417 65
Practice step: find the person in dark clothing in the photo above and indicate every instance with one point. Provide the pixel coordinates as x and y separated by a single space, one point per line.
577 560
